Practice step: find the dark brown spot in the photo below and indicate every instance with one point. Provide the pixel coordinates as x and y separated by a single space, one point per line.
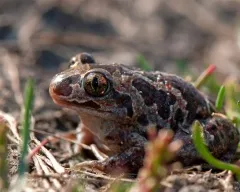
211 126
194 99
124 101
146 90
179 116
162 101
232 135
217 139
214 127
62 87
222 135
219 123
142 119
171 99
159 127
108 137
151 95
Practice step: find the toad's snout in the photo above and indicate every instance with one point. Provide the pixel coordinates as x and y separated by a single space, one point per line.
61 85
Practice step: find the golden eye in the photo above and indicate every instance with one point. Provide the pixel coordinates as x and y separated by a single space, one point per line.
81 59
96 84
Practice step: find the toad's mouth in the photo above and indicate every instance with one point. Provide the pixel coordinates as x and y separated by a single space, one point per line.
88 107
87 104
73 104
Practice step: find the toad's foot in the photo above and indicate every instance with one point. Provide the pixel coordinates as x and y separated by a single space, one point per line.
128 161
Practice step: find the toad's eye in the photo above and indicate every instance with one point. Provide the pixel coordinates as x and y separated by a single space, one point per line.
96 84
81 58
72 62
86 58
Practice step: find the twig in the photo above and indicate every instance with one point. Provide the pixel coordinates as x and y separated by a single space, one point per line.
106 177
10 62
46 171
37 149
62 138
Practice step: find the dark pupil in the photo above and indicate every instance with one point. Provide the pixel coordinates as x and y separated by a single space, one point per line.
95 83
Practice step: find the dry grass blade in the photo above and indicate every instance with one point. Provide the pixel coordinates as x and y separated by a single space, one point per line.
106 177
98 154
11 62
47 171
53 137
55 165
12 124
4 183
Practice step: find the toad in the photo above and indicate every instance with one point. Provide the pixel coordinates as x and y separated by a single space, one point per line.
118 104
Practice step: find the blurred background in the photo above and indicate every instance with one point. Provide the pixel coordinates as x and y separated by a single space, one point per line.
37 38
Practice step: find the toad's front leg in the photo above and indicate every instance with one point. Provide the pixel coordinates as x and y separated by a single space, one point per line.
129 160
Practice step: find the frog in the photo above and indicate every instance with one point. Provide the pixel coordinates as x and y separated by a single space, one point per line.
118 104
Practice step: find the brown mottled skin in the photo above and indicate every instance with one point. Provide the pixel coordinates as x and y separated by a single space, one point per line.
118 104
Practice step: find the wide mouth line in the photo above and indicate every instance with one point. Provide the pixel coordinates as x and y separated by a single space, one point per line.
89 107
87 104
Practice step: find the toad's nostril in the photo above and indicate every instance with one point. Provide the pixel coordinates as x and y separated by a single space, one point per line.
61 86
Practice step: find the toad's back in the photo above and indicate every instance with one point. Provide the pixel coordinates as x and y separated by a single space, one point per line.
174 101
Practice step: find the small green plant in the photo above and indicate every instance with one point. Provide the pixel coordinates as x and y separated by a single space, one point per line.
28 103
143 63
220 98
212 85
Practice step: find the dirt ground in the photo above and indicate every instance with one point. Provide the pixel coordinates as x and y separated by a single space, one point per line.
37 38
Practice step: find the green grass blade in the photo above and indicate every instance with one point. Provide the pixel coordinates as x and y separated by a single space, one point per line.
220 98
142 63
28 103
198 141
